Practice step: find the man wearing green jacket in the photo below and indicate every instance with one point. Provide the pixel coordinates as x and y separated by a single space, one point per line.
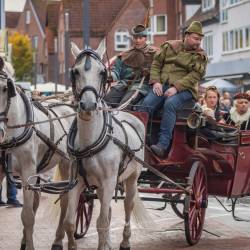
129 68
175 73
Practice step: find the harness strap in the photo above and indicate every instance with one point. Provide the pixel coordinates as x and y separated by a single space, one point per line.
28 131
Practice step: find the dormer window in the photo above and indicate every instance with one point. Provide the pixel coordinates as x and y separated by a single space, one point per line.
207 5
122 40
27 17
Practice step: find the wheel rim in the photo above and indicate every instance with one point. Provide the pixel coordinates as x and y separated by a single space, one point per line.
83 215
196 204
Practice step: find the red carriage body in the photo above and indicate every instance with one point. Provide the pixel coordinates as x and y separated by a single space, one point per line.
198 167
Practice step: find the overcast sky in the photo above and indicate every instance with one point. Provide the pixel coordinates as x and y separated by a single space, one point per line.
14 5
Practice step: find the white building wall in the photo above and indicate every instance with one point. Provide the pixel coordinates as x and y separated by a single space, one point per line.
238 17
215 29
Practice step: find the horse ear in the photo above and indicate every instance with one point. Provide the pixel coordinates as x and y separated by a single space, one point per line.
75 50
101 48
1 64
11 88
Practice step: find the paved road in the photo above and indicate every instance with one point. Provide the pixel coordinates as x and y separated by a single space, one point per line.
221 231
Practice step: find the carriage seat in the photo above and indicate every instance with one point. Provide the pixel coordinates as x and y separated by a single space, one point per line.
220 133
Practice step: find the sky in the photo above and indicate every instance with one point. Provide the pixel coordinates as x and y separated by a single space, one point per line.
14 5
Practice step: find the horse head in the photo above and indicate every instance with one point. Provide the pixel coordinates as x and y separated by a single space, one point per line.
88 76
7 92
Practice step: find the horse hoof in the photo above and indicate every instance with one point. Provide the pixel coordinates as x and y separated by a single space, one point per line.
56 247
124 248
23 246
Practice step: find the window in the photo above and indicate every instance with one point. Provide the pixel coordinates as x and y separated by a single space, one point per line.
35 42
208 44
231 2
121 39
247 36
223 11
27 17
225 41
207 4
159 24
236 39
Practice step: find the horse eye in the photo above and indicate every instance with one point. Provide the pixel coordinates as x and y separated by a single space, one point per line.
4 89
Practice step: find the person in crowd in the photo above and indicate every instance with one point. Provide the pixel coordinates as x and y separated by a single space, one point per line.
226 101
129 68
240 113
176 70
211 108
11 196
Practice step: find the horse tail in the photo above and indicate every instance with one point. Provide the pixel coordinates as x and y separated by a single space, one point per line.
140 213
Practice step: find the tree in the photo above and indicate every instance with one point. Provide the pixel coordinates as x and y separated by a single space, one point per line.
22 56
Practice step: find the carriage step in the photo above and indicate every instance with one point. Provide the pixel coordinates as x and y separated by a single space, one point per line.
47 186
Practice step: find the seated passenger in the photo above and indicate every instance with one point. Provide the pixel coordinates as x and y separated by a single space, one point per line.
240 112
174 76
129 68
211 108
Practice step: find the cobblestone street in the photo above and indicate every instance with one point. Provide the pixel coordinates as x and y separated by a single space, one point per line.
221 232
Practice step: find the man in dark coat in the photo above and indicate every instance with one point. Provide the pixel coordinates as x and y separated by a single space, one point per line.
174 77
240 113
129 68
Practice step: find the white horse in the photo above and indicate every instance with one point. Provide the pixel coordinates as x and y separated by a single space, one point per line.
28 150
96 149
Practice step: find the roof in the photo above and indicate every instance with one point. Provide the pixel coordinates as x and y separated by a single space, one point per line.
12 19
205 17
102 15
40 7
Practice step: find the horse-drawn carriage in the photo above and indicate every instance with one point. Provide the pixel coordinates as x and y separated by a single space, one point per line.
107 148
205 158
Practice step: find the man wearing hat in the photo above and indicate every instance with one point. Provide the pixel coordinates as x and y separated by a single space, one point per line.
240 112
129 68
175 73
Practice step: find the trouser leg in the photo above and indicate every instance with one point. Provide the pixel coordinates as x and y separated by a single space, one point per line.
11 191
171 105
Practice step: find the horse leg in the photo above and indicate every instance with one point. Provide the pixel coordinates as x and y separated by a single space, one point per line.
103 222
58 244
28 219
69 221
35 207
131 189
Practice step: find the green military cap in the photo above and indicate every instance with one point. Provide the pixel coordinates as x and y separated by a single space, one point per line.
139 30
195 27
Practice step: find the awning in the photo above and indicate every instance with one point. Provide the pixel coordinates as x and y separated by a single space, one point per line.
228 70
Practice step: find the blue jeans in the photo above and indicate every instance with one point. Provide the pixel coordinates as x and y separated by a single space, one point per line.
152 103
11 192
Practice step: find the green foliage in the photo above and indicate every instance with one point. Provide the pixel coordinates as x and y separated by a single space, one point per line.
22 58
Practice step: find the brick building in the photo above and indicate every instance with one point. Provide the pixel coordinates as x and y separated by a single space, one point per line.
32 22
44 22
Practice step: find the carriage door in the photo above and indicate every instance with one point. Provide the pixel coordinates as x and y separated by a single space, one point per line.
242 172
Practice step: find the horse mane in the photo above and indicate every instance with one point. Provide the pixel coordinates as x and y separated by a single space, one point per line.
7 68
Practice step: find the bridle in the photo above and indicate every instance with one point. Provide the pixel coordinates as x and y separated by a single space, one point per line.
11 92
88 53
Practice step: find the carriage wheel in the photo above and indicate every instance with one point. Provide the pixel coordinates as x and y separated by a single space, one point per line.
196 203
83 216
177 207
